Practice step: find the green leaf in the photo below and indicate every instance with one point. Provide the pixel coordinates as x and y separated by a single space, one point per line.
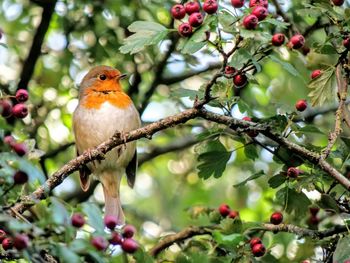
250 151
213 162
3 45
232 240
94 215
142 256
276 22
182 92
328 203
12 161
341 253
277 180
293 201
310 129
322 87
79 245
286 65
146 33
67 256
250 178
59 212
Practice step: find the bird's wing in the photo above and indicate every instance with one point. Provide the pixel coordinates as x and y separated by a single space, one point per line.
131 170
84 176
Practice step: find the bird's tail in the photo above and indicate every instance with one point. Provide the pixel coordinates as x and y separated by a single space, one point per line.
110 184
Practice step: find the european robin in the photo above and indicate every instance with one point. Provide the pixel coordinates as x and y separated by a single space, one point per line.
104 109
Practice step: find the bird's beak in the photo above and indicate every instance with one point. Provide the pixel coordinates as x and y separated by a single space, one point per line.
122 76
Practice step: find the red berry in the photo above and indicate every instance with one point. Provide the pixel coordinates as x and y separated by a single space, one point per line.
9 140
111 221
230 70
297 41
185 29
210 6
276 218
338 2
5 108
254 240
19 148
258 250
2 235
224 210
301 105
237 3
233 214
22 95
99 243
129 245
77 220
7 243
20 177
20 110
346 43
240 80
278 39
21 241
314 210
313 220
116 239
260 12
250 22
192 7
178 11
264 3
293 172
315 73
195 19
129 231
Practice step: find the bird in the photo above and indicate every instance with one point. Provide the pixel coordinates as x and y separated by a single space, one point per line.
103 109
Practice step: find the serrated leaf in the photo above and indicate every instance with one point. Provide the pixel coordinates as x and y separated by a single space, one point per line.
328 203
250 151
276 23
310 129
213 162
286 65
293 201
250 178
232 240
146 33
94 215
276 180
341 253
322 87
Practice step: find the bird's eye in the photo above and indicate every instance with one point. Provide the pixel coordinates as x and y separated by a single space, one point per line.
102 77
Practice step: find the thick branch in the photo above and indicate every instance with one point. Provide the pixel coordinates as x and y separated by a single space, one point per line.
311 156
178 237
35 50
98 153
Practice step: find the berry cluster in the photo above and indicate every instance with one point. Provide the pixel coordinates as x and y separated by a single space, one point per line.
225 211
19 148
19 241
195 17
124 239
19 110
257 247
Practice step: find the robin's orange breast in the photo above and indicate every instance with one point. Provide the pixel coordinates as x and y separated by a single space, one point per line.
94 99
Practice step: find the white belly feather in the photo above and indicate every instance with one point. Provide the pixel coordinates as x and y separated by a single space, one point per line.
94 126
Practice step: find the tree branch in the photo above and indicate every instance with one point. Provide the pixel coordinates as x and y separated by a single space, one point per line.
178 237
35 50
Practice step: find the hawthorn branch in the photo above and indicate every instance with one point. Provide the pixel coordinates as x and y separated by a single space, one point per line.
305 232
98 153
179 237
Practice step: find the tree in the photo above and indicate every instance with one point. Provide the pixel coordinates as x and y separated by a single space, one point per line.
246 107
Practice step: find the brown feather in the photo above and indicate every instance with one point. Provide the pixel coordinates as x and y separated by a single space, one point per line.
131 171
